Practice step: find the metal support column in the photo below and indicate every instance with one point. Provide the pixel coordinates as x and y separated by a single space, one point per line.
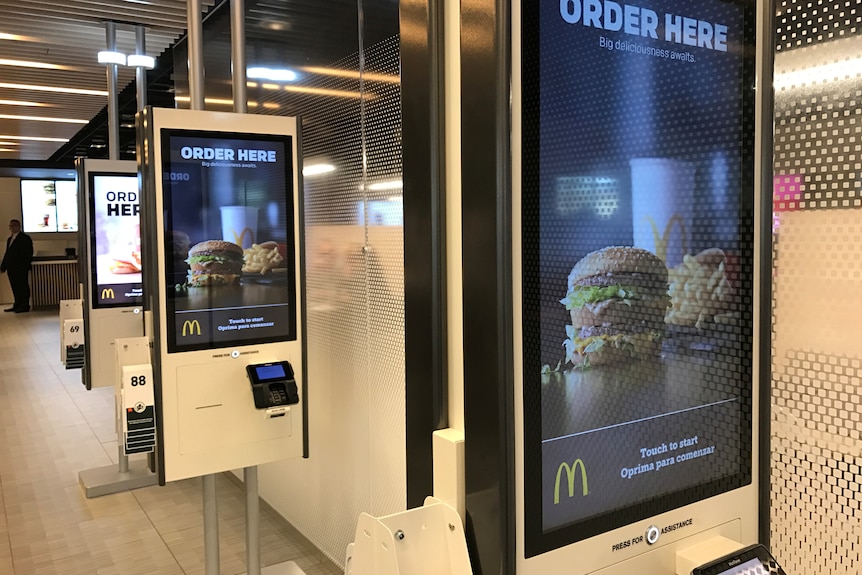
194 41
121 477
240 106
196 58
113 112
211 545
140 71
237 56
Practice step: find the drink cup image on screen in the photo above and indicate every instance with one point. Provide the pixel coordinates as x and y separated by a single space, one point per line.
239 225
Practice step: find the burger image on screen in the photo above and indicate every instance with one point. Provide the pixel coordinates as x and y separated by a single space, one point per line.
617 298
214 263
130 264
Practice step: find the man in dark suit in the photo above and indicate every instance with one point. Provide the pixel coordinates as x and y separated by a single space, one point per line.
16 261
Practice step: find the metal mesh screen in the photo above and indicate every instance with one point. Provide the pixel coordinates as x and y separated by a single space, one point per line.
817 225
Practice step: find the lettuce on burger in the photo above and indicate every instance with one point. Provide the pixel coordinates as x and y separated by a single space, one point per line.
617 298
214 263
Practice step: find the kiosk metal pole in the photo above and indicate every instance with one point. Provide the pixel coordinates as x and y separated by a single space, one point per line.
141 87
194 42
240 106
237 54
252 521
114 154
211 554
113 113
140 71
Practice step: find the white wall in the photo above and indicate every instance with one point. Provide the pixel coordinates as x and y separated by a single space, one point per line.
50 244
356 382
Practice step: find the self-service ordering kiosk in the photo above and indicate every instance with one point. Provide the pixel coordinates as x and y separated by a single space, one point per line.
222 274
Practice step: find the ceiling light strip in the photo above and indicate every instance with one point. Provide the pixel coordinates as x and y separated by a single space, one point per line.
18 37
24 103
43 119
29 64
55 89
32 138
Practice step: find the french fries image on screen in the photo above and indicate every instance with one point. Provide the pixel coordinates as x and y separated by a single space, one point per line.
699 290
261 258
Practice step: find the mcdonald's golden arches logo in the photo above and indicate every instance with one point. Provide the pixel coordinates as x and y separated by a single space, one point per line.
191 326
570 476
107 293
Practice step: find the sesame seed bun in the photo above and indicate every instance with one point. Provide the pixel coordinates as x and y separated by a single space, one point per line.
214 246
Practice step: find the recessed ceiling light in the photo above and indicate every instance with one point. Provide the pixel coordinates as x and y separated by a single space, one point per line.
141 61
7 150
388 185
317 169
43 119
271 74
9 144
28 64
57 89
111 57
33 138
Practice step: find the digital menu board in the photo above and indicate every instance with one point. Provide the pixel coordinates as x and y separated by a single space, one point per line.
49 206
115 240
638 260
229 239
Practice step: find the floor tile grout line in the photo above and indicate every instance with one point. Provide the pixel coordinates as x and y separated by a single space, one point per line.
158 532
6 521
48 361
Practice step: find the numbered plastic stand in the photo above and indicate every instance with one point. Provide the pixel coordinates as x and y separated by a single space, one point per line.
72 333
428 540
134 432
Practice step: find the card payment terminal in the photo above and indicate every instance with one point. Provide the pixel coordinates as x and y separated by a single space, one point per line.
272 384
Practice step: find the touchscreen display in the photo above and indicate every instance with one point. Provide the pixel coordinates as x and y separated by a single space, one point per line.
49 206
266 372
115 242
229 247
637 210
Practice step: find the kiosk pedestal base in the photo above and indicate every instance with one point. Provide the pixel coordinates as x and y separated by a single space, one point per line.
286 568
109 479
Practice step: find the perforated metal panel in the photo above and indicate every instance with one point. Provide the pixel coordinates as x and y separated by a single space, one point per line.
817 360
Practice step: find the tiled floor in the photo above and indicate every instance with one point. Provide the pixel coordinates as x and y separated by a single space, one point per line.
50 429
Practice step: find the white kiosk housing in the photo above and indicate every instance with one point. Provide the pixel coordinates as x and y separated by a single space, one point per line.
222 274
110 253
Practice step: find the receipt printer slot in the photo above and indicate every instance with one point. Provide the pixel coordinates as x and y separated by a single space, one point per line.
272 384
